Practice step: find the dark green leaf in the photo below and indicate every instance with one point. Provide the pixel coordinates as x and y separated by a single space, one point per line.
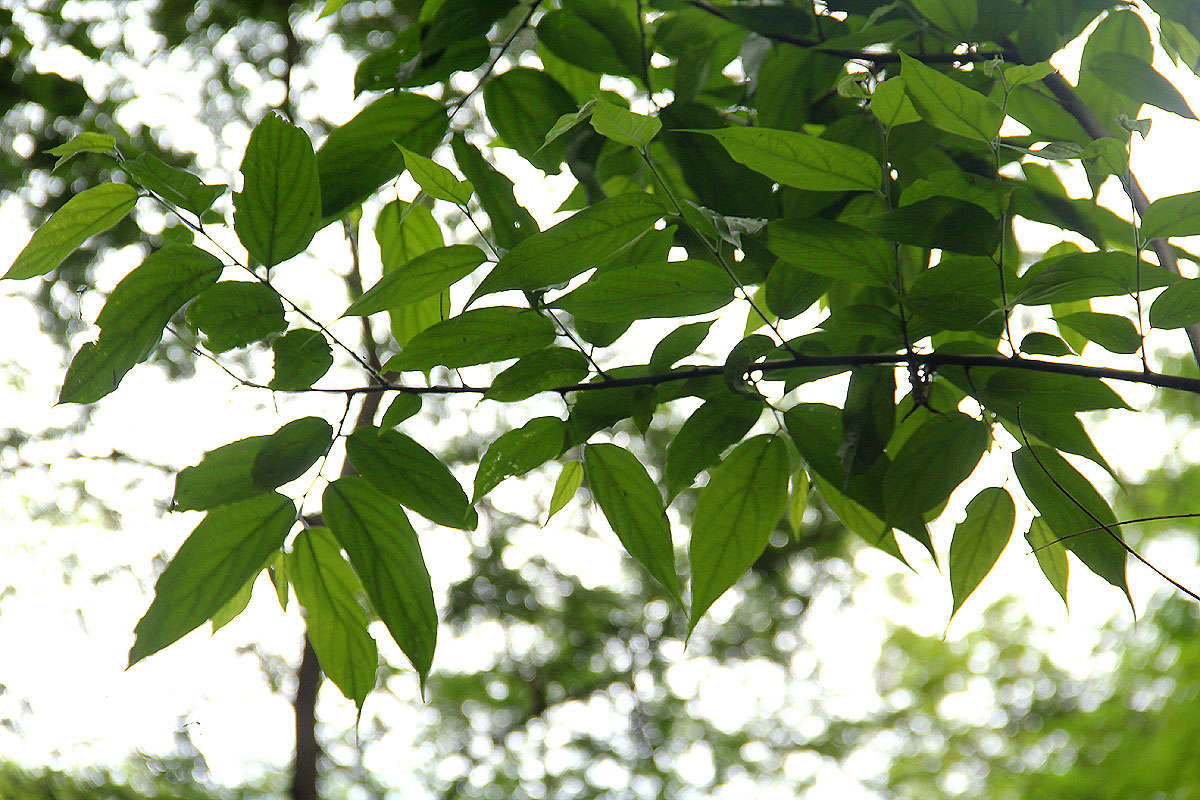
1044 344
1178 306
956 17
1082 276
400 467
1137 80
678 345
235 313
291 451
1176 215
647 291
933 462
510 222
714 426
801 161
868 417
791 290
404 406
1114 333
938 222
857 519
456 20
222 554
302 356
597 35
87 213
538 372
177 186
134 316
522 105
949 105
634 509
835 250
518 451
743 502
335 622
424 276
978 541
386 554
479 336
1052 558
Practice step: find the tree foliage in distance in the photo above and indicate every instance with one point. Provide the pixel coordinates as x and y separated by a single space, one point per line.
836 175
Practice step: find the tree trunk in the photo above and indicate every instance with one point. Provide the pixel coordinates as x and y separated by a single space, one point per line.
308 752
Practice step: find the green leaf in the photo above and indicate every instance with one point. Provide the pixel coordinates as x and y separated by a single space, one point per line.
336 624
404 406
517 452
835 250
134 316
302 356
623 126
568 122
744 500
938 222
1177 307
1099 550
714 426
251 466
678 345
648 291
857 519
597 35
225 551
799 160
947 104
522 105
360 156
570 478
634 509
84 215
538 372
978 541
479 336
278 211
1021 74
798 501
1044 344
234 606
435 180
331 7
424 276
400 467
404 232
1138 80
938 457
235 313
1114 333
1051 557
85 142
177 186
1045 391
386 554
890 104
456 20
791 290
582 241
1082 276
510 222
277 571
956 17
1176 215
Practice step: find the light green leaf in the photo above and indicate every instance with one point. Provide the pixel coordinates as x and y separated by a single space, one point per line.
1051 557
134 316
519 451
623 126
538 372
949 105
938 457
743 502
567 122
799 160
234 606
648 291
336 624
225 551
177 186
386 555
634 509
278 211
1176 215
435 180
890 104
1138 80
798 501
978 541
331 7
85 142
479 336
302 356
1021 74
424 276
582 241
277 572
400 467
404 232
84 215
714 426
834 249
1114 333
956 17
236 313
570 478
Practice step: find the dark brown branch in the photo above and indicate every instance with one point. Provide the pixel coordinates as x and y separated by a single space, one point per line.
308 751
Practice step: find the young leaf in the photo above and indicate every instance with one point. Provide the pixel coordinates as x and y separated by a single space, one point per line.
623 126
336 624
1114 333
947 104
834 249
475 337
85 142
568 122
714 426
226 550
1176 215
560 253
799 160
517 452
84 215
570 478
1051 556
302 356
538 372
634 509
743 502
435 180
278 211
978 541
647 291
234 606
235 313
400 467
386 555
424 276
176 186
132 320
932 463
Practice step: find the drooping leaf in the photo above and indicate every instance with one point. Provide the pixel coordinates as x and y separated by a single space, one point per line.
623 126
585 239
949 105
302 356
743 502
570 478
537 372
1051 556
424 276
1112 332
235 313
634 509
134 316
510 221
405 405
868 417
647 291
933 462
1177 307
336 624
385 553
404 232
478 336
84 215
278 211
226 550
401 468
435 180
1138 80
800 160
978 541
716 425
176 186
834 249
518 451
234 606
1176 215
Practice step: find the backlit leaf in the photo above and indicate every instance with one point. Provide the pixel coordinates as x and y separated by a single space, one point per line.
84 215
799 160
177 186
978 541
518 451
570 478
510 222
623 126
949 105
1175 215
1114 333
235 313
537 372
302 356
671 289
424 276
933 462
714 426
834 249
1051 557
435 180
478 336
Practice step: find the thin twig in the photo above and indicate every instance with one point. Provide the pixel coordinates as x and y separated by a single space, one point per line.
1135 520
487 72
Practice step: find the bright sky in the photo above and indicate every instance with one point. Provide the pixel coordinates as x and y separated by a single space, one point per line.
67 637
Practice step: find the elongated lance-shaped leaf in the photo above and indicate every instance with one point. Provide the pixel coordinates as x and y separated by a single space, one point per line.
1051 555
800 160
978 541
84 215
278 211
176 186
424 276
939 456
646 291
511 223
386 554
634 509
328 590
719 423
435 180
134 316
225 551
947 104
478 336
568 483
85 142
743 502
518 451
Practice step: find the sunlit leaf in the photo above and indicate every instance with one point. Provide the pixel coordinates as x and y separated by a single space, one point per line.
518 451
978 541
302 356
570 478
435 180
84 215
424 276
949 105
